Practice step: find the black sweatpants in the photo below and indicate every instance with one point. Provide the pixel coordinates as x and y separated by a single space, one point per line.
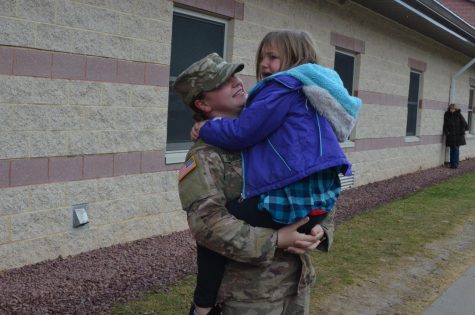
211 264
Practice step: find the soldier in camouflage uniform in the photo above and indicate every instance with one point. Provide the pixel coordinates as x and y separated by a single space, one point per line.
259 278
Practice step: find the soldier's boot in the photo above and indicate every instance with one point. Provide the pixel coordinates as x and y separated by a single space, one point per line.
216 310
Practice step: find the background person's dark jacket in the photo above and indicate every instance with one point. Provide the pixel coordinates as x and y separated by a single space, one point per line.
454 128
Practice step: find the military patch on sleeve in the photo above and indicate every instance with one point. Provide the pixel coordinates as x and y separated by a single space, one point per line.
189 166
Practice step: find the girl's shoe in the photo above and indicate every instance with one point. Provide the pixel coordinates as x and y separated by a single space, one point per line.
216 310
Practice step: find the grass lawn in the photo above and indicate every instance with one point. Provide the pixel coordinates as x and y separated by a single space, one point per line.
364 244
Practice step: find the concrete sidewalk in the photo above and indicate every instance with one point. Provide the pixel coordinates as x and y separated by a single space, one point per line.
459 299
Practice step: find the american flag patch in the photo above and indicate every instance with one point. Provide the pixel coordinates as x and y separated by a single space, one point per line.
187 168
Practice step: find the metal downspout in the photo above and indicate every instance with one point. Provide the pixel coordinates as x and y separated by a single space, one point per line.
454 78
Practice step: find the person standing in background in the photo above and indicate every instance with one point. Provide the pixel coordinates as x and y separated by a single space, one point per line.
454 131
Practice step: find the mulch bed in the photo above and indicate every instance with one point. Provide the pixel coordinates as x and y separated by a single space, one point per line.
93 281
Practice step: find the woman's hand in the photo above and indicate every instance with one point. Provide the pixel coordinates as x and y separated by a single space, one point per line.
195 130
289 238
301 247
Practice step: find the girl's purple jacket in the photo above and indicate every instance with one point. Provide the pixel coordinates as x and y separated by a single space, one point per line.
281 136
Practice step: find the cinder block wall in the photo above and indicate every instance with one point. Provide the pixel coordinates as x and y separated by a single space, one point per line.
391 50
83 109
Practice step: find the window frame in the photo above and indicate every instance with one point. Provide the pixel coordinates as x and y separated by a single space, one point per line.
470 114
349 143
416 136
178 155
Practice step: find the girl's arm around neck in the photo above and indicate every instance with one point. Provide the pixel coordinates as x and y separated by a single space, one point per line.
262 117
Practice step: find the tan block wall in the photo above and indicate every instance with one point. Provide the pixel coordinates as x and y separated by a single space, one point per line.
379 121
124 29
383 68
432 122
41 117
376 165
36 221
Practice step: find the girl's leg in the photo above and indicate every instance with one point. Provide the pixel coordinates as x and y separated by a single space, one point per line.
246 210
210 273
211 264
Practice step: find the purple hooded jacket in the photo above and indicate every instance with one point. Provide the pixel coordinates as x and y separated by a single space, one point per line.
281 136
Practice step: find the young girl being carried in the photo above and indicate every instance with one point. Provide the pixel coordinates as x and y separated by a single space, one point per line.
288 134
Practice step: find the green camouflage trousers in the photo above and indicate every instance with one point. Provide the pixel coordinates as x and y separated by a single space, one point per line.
291 305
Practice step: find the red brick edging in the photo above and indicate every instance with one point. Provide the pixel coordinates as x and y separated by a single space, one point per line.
35 171
377 98
417 65
229 8
22 172
346 42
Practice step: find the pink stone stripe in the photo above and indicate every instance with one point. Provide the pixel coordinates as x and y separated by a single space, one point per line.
34 63
376 98
433 139
58 65
154 161
101 69
4 174
131 72
22 172
432 104
417 65
369 97
98 166
29 172
69 66
392 142
156 74
345 42
239 11
227 8
127 163
63 169
378 143
6 60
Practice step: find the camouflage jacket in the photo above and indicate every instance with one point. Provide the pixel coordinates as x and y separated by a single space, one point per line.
257 269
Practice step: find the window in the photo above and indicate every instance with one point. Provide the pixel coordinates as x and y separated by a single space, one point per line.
412 103
193 37
470 112
345 66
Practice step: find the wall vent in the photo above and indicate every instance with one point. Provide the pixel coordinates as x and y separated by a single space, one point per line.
347 181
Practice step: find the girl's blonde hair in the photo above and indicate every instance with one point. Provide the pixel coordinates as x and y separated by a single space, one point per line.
295 48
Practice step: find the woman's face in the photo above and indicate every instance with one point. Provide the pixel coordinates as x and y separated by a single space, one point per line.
271 61
228 99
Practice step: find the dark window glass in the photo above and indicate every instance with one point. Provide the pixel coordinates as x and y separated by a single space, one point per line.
345 67
192 39
412 104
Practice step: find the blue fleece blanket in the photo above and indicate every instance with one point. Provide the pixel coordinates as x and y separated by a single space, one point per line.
312 74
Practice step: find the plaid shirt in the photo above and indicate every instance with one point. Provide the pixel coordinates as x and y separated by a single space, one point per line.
295 201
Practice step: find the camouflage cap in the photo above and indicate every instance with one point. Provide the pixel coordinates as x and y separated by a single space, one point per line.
203 76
